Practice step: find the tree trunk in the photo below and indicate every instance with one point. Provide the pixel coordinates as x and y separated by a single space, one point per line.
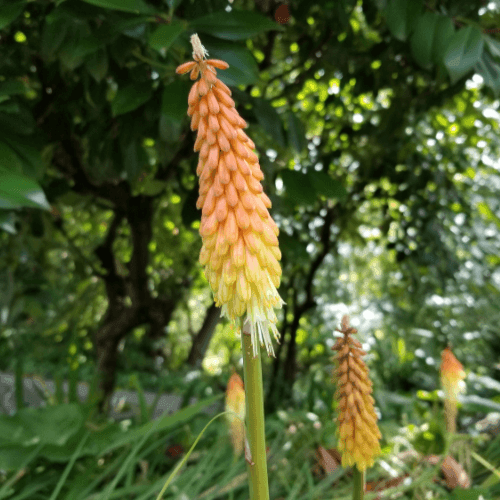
202 338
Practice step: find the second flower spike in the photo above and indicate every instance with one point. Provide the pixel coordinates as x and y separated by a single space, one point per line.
240 250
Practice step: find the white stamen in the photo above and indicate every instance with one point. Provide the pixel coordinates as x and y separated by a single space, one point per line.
199 52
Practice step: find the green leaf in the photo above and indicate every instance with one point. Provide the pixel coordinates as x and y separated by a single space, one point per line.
422 39
18 190
234 25
476 403
164 36
12 87
166 422
7 222
463 52
296 133
51 425
270 120
74 51
97 65
326 186
443 34
189 211
9 160
33 165
54 32
487 213
173 110
489 70
134 6
243 69
173 4
298 187
401 17
9 12
470 494
130 97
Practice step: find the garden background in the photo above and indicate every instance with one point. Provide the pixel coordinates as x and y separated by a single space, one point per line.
377 128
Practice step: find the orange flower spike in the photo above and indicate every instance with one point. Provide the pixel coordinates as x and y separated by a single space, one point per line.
452 373
357 422
235 403
235 224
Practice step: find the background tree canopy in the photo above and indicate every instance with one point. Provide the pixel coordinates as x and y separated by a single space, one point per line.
377 128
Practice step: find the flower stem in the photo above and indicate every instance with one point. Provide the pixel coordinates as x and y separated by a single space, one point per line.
358 489
254 397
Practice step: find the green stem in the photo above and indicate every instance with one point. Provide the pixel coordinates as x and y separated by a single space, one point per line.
256 433
358 489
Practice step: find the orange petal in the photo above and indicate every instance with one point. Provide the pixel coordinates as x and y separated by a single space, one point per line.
194 73
248 200
213 123
193 96
254 184
230 161
223 172
238 253
256 171
209 225
268 235
261 208
224 98
195 119
221 209
210 77
228 129
213 105
203 106
213 156
209 205
242 218
240 148
211 137
229 271
231 195
265 199
217 63
256 222
223 142
252 242
218 187
221 85
184 68
243 165
204 150
239 181
204 255
231 228
202 87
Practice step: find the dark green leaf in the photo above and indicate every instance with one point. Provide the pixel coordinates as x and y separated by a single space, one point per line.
173 4
401 17
443 34
9 160
7 222
9 12
97 65
470 494
12 87
298 187
54 32
173 110
17 190
489 70
325 185
130 97
33 165
422 39
463 52
270 120
73 53
164 36
51 425
296 133
234 25
153 187
243 69
134 6
189 211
